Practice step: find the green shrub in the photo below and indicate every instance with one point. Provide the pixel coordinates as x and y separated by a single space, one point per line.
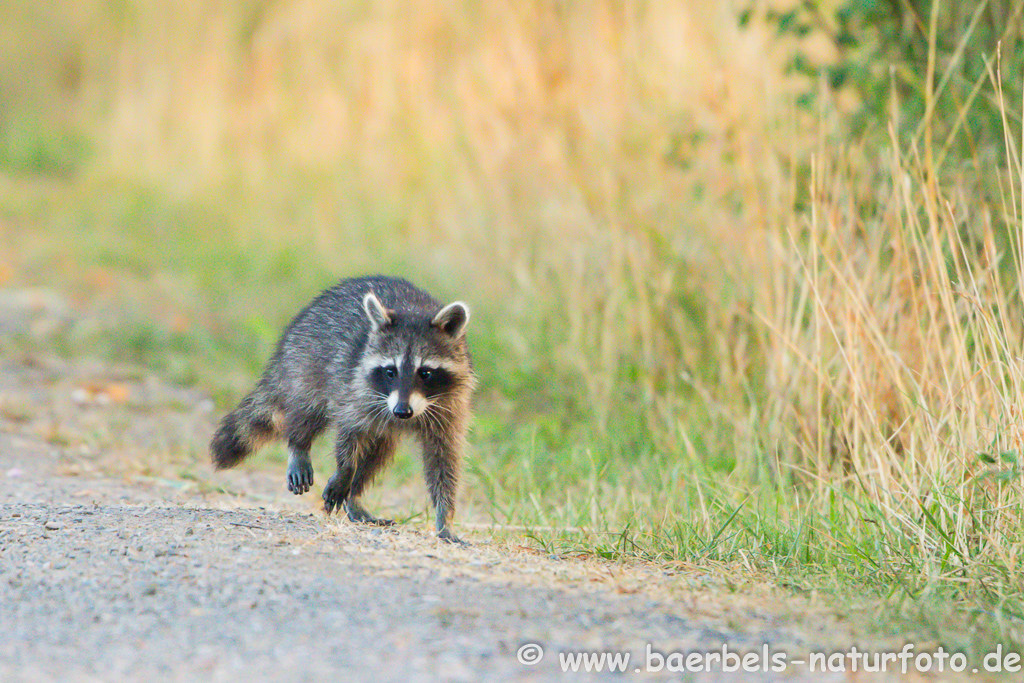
882 49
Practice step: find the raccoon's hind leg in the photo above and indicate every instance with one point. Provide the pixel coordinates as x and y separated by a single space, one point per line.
360 456
301 427
346 449
360 515
375 454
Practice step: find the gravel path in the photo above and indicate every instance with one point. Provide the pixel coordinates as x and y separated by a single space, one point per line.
110 573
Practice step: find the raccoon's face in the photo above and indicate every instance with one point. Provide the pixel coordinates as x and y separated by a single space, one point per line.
410 385
413 361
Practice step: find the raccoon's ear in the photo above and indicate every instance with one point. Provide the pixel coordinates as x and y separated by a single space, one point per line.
452 319
379 316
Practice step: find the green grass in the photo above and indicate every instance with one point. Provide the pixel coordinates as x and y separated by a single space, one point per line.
183 295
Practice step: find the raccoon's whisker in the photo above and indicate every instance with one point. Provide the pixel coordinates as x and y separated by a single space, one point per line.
434 419
437 404
378 411
428 416
442 408
435 424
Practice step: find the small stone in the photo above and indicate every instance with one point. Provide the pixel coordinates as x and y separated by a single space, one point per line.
52 525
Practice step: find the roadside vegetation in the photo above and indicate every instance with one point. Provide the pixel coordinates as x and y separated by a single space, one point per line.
747 280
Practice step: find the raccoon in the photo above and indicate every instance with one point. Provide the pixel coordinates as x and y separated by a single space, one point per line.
376 358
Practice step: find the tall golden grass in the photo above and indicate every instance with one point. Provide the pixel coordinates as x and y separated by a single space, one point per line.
592 155
639 206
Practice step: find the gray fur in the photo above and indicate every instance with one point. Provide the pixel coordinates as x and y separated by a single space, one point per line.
335 367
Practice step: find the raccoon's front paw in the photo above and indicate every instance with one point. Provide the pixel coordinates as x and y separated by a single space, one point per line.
335 493
300 475
447 536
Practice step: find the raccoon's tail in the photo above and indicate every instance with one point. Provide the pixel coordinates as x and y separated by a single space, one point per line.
243 430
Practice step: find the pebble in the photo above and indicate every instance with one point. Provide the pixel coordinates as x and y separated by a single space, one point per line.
52 525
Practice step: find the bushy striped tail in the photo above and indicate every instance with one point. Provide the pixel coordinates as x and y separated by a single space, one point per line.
242 431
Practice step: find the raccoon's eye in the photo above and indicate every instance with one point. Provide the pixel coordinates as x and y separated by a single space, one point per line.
390 372
425 374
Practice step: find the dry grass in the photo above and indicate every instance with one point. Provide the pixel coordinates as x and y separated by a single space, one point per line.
732 333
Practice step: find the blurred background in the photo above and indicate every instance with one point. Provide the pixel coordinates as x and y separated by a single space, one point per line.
745 275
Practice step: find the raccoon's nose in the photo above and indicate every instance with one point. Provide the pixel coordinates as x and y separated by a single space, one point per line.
403 411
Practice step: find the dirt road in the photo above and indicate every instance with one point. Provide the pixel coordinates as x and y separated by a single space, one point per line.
108 573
